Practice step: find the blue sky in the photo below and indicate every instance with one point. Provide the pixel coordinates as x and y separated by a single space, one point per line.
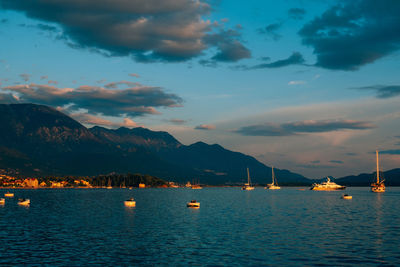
310 86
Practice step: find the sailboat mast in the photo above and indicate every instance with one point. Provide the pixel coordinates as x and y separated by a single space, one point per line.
248 176
273 175
377 166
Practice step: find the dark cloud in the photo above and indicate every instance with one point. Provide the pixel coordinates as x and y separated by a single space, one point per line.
296 13
383 91
7 99
177 121
205 127
147 30
134 101
351 154
230 49
315 161
301 127
336 161
46 27
354 33
271 31
314 166
114 85
25 76
390 152
295 59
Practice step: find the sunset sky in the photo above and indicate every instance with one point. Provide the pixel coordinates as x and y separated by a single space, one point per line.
309 86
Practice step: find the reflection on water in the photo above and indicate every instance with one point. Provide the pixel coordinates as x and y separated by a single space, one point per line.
232 227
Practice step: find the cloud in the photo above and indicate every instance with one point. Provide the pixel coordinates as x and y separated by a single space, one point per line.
89 119
44 77
52 82
390 152
336 161
129 123
354 33
146 30
177 121
228 45
295 59
296 13
132 102
8 99
134 75
296 82
383 91
25 76
205 127
271 31
301 127
118 84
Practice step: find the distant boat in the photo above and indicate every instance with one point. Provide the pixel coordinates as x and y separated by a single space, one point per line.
248 186
345 196
8 194
274 185
327 186
196 185
379 186
24 202
2 201
193 204
109 184
130 202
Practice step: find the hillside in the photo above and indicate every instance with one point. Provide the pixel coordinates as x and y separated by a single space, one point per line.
38 140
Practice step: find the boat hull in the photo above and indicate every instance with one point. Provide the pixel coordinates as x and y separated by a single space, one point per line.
193 205
378 188
328 189
130 203
24 203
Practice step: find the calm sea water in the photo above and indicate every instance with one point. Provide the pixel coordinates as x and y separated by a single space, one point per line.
71 227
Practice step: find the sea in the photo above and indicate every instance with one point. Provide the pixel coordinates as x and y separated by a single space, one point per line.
289 227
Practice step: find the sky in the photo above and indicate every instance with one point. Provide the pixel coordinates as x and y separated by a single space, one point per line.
308 86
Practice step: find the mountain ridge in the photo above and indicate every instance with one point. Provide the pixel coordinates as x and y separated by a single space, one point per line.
40 140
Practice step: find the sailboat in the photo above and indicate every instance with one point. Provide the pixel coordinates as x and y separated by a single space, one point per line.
196 185
109 184
379 186
248 186
274 185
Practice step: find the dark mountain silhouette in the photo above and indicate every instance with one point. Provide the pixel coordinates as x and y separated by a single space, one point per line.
391 177
39 140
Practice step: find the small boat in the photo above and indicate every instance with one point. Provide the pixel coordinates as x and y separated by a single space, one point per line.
193 204
130 202
327 186
379 186
109 184
2 201
346 196
24 202
8 194
196 187
274 185
247 186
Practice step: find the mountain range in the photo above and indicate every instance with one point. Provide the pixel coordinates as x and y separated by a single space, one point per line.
38 140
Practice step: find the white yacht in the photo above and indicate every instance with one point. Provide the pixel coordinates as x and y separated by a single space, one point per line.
274 185
327 186
247 186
